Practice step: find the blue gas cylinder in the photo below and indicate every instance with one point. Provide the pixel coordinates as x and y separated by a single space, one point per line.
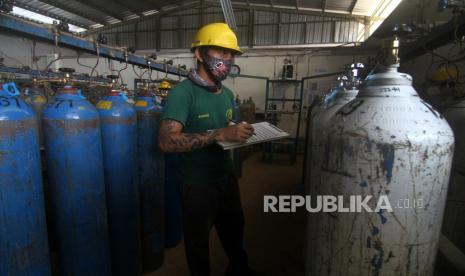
76 185
36 97
151 181
23 231
119 142
173 210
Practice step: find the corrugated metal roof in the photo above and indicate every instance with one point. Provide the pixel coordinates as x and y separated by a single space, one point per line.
242 35
187 38
87 13
188 11
168 40
265 35
43 18
190 21
312 4
276 22
338 5
270 28
266 17
214 17
169 22
105 12
53 11
366 7
260 2
72 10
242 17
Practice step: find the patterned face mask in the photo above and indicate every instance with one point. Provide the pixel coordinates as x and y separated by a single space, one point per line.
219 68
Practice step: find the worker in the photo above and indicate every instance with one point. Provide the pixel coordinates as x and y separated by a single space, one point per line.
163 89
197 114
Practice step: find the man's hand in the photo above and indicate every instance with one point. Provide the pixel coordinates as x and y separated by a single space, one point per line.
235 133
172 139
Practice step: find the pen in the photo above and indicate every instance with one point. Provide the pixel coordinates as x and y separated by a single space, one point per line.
235 122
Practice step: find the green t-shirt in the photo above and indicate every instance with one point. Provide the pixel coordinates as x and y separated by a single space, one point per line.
200 110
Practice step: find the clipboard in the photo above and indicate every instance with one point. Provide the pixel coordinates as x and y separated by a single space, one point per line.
264 132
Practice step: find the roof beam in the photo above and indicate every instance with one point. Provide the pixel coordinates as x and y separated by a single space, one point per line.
352 6
129 8
159 4
132 8
49 14
155 4
155 15
288 9
106 11
147 4
61 6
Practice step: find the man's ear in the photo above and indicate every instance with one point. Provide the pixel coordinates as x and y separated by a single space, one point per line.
198 55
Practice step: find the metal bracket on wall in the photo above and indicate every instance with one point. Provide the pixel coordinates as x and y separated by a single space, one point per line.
36 31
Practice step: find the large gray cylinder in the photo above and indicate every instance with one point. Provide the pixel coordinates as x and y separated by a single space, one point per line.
320 123
387 144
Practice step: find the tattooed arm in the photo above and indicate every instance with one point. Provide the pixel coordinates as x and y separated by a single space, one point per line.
172 139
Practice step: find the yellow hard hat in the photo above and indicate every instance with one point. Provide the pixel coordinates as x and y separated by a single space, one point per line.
216 34
164 85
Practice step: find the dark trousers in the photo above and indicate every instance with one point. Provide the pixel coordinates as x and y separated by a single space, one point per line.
213 204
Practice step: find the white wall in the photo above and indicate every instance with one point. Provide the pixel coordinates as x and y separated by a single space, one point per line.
17 51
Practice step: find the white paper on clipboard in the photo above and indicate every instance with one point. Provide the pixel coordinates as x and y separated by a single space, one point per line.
264 132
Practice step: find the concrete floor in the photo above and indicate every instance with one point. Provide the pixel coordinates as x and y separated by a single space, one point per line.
274 242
